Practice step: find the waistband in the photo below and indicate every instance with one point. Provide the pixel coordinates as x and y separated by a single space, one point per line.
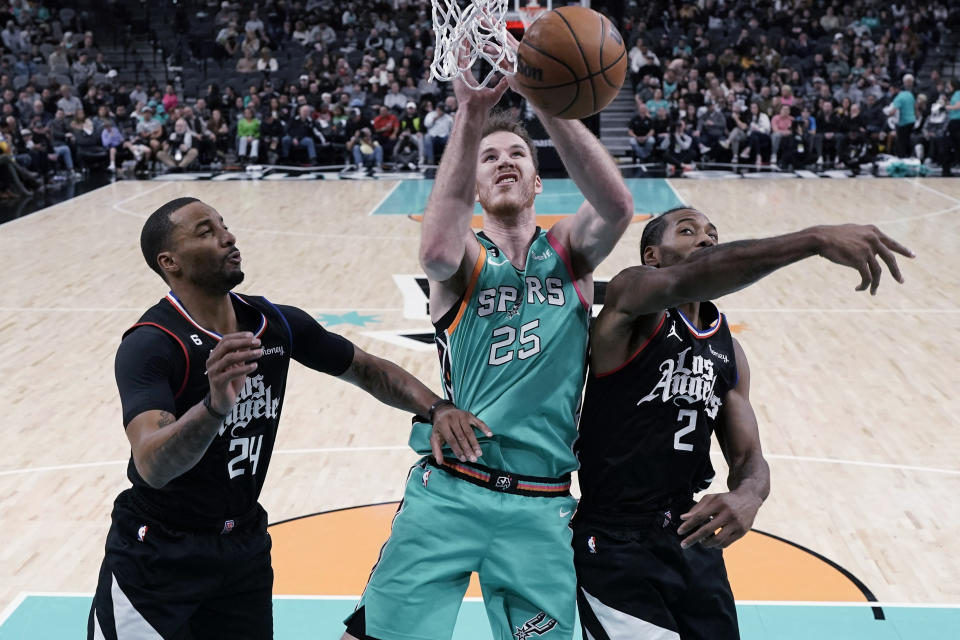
247 520
666 516
504 481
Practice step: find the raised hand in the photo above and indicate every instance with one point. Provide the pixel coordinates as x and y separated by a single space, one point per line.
455 427
228 366
464 85
857 246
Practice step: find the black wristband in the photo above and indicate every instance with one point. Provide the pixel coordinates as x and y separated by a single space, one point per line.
436 405
211 410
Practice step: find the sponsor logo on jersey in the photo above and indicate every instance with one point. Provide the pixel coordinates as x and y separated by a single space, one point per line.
142 532
273 351
673 331
535 626
719 356
689 385
592 544
543 256
255 401
667 517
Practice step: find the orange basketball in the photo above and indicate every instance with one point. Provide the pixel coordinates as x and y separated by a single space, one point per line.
572 62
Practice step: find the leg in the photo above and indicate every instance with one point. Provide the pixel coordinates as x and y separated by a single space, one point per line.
707 610
254 148
311 148
285 143
63 152
428 150
534 533
625 577
166 159
378 156
411 592
357 156
189 158
241 146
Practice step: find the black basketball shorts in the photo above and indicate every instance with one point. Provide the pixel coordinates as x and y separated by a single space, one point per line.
160 583
636 582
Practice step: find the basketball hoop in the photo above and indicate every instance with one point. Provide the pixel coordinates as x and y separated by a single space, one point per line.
477 24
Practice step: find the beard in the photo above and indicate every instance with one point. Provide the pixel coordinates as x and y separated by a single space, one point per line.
509 205
219 281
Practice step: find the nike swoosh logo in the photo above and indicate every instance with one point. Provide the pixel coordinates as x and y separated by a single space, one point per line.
564 514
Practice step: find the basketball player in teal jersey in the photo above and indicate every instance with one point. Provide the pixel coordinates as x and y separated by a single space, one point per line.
511 307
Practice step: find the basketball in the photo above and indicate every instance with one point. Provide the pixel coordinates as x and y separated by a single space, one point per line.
572 62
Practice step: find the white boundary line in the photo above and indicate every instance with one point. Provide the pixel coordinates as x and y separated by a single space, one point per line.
936 191
18 600
116 206
771 456
675 192
384 198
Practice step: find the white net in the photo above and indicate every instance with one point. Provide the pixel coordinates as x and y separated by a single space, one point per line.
477 30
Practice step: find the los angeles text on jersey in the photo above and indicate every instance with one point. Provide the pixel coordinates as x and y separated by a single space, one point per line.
692 384
256 401
507 298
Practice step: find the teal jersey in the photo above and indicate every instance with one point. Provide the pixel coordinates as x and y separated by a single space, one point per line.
955 99
513 353
905 103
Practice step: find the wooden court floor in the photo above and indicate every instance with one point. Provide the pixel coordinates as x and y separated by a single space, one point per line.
855 394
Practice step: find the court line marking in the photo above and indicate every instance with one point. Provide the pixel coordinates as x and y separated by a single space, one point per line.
308 309
384 198
936 191
16 602
676 193
772 456
117 206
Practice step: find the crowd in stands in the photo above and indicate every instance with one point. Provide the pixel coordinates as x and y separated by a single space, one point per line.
798 84
319 82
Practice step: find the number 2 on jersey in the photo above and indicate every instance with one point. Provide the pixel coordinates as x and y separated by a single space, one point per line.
691 417
529 343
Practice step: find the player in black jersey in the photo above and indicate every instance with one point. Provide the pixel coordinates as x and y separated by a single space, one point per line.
202 380
665 375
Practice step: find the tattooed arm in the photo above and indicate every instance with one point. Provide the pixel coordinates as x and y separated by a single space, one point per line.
164 447
392 385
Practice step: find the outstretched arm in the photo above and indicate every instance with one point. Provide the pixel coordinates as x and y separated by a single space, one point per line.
446 242
394 386
720 519
592 233
728 267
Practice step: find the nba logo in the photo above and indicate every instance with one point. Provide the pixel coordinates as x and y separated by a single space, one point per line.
426 477
141 532
667 517
227 527
592 544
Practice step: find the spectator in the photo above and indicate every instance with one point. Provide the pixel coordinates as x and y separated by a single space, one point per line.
138 95
111 139
395 99
82 70
300 134
952 144
271 134
149 130
217 130
87 139
642 137
248 136
386 127
266 62
830 133
170 99
904 105
643 62
68 103
438 124
781 126
246 63
366 151
179 151
758 135
712 126
657 102
678 148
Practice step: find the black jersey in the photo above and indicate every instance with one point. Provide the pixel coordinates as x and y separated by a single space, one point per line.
645 428
226 482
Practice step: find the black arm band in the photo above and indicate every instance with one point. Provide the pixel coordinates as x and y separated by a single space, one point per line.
211 410
436 405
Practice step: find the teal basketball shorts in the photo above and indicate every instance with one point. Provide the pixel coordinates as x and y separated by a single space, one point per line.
446 528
